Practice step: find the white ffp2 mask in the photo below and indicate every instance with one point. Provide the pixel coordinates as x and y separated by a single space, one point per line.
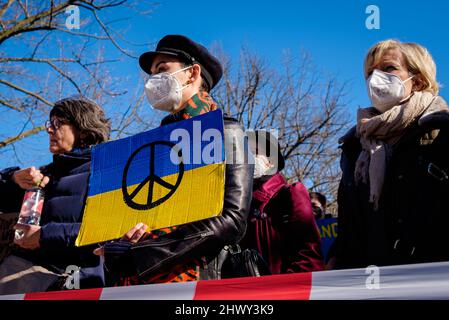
262 166
385 89
164 91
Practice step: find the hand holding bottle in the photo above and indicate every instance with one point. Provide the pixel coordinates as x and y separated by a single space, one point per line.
29 177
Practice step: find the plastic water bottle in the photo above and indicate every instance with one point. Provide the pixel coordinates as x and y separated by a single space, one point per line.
31 210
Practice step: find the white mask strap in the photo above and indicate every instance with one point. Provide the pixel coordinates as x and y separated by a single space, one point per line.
183 87
180 70
411 93
408 79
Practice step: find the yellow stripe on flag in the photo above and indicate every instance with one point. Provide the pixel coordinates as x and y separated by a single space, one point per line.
199 196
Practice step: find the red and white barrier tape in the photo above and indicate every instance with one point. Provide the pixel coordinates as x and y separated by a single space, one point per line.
418 281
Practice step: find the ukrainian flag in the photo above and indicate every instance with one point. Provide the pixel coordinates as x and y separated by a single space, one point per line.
164 177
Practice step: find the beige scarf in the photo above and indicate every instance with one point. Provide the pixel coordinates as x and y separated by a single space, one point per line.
379 131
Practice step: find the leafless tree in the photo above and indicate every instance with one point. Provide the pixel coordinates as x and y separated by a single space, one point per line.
306 106
42 60
44 56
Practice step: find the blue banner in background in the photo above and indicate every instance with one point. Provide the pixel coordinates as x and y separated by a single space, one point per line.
328 232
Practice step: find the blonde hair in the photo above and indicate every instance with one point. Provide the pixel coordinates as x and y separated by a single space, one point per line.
418 60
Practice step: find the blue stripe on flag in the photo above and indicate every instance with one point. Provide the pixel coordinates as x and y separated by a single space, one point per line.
109 159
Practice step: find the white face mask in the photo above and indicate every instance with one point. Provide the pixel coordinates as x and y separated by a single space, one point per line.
164 91
385 90
262 166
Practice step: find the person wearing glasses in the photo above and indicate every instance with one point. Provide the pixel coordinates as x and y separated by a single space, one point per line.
75 125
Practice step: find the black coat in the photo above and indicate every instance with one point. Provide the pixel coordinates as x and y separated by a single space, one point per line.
411 223
61 218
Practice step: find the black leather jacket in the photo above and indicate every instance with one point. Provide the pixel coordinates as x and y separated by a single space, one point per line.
195 240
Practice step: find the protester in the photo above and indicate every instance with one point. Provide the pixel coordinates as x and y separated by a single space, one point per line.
281 225
319 205
393 191
44 252
182 72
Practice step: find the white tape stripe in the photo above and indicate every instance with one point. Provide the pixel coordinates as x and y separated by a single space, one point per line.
12 297
165 291
418 281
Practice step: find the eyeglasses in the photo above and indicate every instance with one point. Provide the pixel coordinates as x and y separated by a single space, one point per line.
54 124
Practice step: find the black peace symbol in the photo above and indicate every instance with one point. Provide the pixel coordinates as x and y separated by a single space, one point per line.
152 178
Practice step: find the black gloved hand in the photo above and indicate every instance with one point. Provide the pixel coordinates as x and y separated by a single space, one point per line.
116 247
118 260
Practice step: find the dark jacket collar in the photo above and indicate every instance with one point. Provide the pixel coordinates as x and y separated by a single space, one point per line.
437 115
66 162
171 118
350 134
435 120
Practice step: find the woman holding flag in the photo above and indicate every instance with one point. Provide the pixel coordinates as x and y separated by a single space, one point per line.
182 72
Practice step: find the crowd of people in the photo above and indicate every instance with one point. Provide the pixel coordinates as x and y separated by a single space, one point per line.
391 199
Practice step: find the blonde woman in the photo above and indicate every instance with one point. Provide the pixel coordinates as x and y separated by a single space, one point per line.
395 162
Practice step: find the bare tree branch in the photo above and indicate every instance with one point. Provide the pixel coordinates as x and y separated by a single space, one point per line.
26 25
35 95
58 62
305 107
25 134
9 105
5 7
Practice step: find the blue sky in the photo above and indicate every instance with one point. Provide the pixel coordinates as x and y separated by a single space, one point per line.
333 32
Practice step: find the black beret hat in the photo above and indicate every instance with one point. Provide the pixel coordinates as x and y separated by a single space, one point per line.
188 51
